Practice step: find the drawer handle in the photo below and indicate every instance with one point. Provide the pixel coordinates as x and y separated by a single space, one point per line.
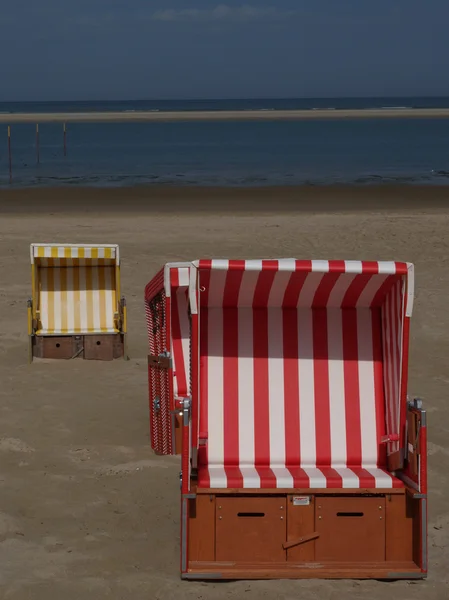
349 514
250 514
302 540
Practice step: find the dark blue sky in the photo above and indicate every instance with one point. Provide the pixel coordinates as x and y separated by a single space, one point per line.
126 49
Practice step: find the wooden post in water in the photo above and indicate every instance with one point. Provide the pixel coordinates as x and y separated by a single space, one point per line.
65 140
37 144
9 154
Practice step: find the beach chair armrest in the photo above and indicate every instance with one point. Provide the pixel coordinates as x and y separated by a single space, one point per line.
122 322
415 468
387 439
30 316
33 322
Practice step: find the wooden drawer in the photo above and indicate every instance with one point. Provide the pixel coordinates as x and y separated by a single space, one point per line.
351 529
250 529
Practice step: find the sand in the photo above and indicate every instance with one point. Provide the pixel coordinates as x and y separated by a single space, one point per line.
226 115
86 510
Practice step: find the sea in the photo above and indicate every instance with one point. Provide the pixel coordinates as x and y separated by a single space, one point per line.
228 153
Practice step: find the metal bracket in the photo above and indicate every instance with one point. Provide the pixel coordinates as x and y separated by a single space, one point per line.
186 404
163 361
417 403
157 404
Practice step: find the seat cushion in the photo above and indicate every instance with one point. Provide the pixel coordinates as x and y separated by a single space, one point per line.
59 332
247 477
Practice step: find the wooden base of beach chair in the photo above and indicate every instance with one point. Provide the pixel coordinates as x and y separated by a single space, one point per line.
89 347
335 570
330 534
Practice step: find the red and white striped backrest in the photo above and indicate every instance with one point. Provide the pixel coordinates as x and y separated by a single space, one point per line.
298 358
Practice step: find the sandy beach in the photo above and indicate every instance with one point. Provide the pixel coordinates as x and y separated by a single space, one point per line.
225 115
87 511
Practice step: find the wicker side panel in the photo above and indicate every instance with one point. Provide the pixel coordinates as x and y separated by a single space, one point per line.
158 376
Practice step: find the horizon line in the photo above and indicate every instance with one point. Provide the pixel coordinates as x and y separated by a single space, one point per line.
228 98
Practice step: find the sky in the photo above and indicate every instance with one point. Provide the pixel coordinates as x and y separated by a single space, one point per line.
145 49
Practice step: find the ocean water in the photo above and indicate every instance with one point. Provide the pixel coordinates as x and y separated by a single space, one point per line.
231 153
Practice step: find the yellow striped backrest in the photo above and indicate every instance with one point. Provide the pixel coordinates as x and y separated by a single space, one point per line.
76 289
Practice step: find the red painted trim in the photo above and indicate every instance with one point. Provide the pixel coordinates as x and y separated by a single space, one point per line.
195 391
167 341
174 278
423 459
185 459
335 266
180 372
404 376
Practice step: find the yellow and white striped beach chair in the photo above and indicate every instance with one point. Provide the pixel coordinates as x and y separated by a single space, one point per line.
76 309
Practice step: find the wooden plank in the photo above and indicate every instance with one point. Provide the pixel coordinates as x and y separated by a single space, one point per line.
399 528
333 570
119 345
395 461
250 529
299 541
58 347
99 347
202 528
418 542
300 522
351 529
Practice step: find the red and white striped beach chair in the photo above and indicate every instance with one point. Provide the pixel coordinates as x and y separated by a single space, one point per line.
166 307
301 456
